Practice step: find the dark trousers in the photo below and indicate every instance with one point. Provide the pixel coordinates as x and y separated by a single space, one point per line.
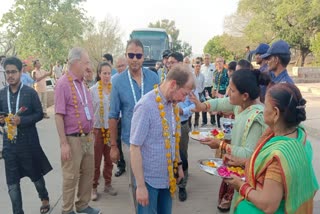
121 163
204 114
14 191
184 143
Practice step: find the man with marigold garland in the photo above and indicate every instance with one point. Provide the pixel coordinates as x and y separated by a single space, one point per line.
154 142
23 156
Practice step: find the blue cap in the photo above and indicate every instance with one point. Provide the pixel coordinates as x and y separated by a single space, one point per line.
279 47
262 48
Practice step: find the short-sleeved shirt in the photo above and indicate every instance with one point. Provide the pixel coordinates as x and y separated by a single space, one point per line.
208 73
26 79
41 85
57 70
122 99
148 134
64 104
96 107
283 77
199 82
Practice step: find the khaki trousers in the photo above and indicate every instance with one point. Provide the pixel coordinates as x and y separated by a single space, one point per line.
43 100
79 171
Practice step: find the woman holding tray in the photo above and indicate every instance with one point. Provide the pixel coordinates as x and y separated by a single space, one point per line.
279 176
248 125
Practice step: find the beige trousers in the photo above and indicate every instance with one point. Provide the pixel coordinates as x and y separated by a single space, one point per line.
78 172
43 100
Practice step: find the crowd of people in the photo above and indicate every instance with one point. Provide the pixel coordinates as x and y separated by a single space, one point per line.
140 120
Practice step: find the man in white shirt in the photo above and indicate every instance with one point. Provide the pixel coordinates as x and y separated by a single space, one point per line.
57 71
207 69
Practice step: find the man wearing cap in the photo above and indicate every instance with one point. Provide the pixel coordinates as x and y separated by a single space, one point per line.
278 57
162 72
262 49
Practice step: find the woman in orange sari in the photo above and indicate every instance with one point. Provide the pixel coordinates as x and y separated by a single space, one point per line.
279 176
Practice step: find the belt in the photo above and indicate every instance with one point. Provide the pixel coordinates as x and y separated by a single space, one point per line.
77 134
184 122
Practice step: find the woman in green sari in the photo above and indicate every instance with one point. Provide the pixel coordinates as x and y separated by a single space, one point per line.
248 125
279 176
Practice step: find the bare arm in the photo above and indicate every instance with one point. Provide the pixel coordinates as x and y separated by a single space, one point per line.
114 151
269 198
137 169
65 147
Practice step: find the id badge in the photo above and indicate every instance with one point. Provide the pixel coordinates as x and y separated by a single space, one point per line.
86 110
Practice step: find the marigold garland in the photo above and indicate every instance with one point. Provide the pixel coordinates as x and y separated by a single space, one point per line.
75 102
172 168
105 132
11 129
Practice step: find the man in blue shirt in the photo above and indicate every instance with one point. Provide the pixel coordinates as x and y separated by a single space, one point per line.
154 139
278 56
25 77
127 89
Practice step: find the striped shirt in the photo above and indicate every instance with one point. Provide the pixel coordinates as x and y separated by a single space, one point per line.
147 133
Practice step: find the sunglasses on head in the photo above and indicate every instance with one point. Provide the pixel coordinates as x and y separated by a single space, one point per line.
132 55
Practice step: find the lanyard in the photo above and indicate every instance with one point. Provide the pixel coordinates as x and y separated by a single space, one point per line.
84 92
17 102
132 89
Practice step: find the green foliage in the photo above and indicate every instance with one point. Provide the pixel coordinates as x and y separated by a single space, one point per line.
315 48
171 29
216 47
295 21
45 29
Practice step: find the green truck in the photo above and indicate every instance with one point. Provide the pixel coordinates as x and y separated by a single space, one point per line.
155 41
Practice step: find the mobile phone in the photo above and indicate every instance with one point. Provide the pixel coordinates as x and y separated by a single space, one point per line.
3 113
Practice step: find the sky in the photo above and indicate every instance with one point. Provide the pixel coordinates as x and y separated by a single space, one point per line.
198 22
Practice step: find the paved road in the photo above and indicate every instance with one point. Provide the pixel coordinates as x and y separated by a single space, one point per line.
202 188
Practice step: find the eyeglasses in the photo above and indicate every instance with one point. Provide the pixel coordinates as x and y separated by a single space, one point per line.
137 55
11 72
197 62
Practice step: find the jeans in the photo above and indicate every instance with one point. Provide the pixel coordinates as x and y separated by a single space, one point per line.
121 163
16 198
160 202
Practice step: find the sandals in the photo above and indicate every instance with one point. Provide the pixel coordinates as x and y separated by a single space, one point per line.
45 209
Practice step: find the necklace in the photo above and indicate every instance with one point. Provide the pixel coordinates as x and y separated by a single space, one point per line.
163 75
75 102
11 129
289 133
105 132
172 164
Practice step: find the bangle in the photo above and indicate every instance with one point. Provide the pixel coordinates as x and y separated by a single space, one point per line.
206 106
247 194
243 189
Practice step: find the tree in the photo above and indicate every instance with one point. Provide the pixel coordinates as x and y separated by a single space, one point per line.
44 28
215 48
7 46
296 21
103 37
171 29
315 47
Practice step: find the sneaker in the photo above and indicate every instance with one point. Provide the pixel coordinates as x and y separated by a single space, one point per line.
119 172
90 210
182 194
110 190
94 194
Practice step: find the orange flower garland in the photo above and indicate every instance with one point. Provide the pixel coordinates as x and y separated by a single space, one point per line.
75 102
172 168
105 132
11 129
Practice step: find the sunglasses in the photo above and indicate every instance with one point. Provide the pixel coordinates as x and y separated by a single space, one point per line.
132 55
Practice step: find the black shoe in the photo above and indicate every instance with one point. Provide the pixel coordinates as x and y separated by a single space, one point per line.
223 210
182 194
119 172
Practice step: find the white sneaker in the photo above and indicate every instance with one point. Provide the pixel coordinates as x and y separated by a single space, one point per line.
110 190
94 195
